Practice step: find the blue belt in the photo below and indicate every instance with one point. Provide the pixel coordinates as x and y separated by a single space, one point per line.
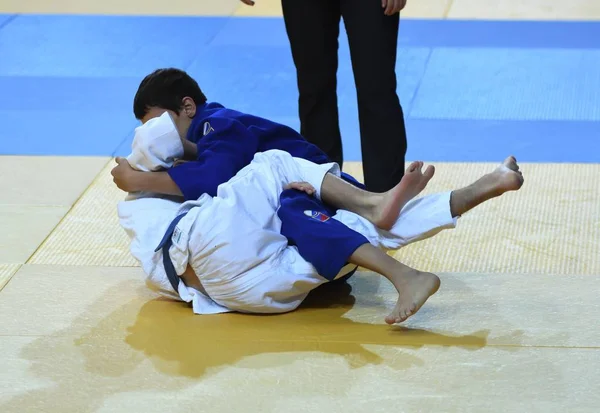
165 244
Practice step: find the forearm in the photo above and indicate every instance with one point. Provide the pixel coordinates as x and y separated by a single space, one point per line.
157 182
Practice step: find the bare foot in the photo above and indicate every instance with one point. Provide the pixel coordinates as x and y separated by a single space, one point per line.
507 177
414 288
390 204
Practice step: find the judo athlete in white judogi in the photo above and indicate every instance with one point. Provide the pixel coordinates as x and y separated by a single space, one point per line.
228 253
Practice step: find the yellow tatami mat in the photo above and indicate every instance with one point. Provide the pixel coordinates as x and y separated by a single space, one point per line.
262 8
470 9
30 203
418 8
479 309
81 332
90 234
46 180
271 8
452 9
127 7
525 10
483 343
551 226
24 227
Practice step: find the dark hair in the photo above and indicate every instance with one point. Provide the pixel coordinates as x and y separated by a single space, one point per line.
166 88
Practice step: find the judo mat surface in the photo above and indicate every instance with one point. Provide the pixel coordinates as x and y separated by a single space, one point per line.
514 325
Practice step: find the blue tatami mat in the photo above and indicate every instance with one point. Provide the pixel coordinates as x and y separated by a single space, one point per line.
490 141
471 91
65 116
437 33
101 45
510 84
262 80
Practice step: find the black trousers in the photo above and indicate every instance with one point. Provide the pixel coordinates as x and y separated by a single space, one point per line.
313 29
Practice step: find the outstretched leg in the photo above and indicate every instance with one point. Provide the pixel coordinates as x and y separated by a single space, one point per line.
415 287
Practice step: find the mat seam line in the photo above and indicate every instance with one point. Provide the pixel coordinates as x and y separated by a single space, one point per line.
10 278
8 21
447 10
418 88
68 212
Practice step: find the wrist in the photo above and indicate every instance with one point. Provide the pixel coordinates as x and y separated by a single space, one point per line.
139 181
155 182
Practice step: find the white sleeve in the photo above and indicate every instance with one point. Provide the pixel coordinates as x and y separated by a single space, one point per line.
156 145
315 174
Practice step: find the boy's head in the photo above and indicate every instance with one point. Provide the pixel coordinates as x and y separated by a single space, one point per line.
168 90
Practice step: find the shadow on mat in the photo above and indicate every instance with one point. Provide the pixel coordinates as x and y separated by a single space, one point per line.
197 343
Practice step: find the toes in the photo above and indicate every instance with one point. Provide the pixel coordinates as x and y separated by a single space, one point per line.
413 309
512 166
397 316
404 315
400 315
413 166
429 171
511 163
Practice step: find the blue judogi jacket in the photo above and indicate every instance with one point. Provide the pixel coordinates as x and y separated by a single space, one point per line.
227 141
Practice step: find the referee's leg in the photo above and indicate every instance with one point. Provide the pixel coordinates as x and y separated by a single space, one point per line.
313 28
373 39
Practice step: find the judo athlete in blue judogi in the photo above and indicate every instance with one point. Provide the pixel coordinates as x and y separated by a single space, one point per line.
222 143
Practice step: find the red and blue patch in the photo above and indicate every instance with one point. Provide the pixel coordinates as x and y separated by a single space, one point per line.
319 216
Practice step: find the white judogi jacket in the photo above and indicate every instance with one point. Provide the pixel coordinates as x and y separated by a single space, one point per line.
232 241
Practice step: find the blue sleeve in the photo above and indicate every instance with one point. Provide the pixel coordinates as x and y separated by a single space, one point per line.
226 149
